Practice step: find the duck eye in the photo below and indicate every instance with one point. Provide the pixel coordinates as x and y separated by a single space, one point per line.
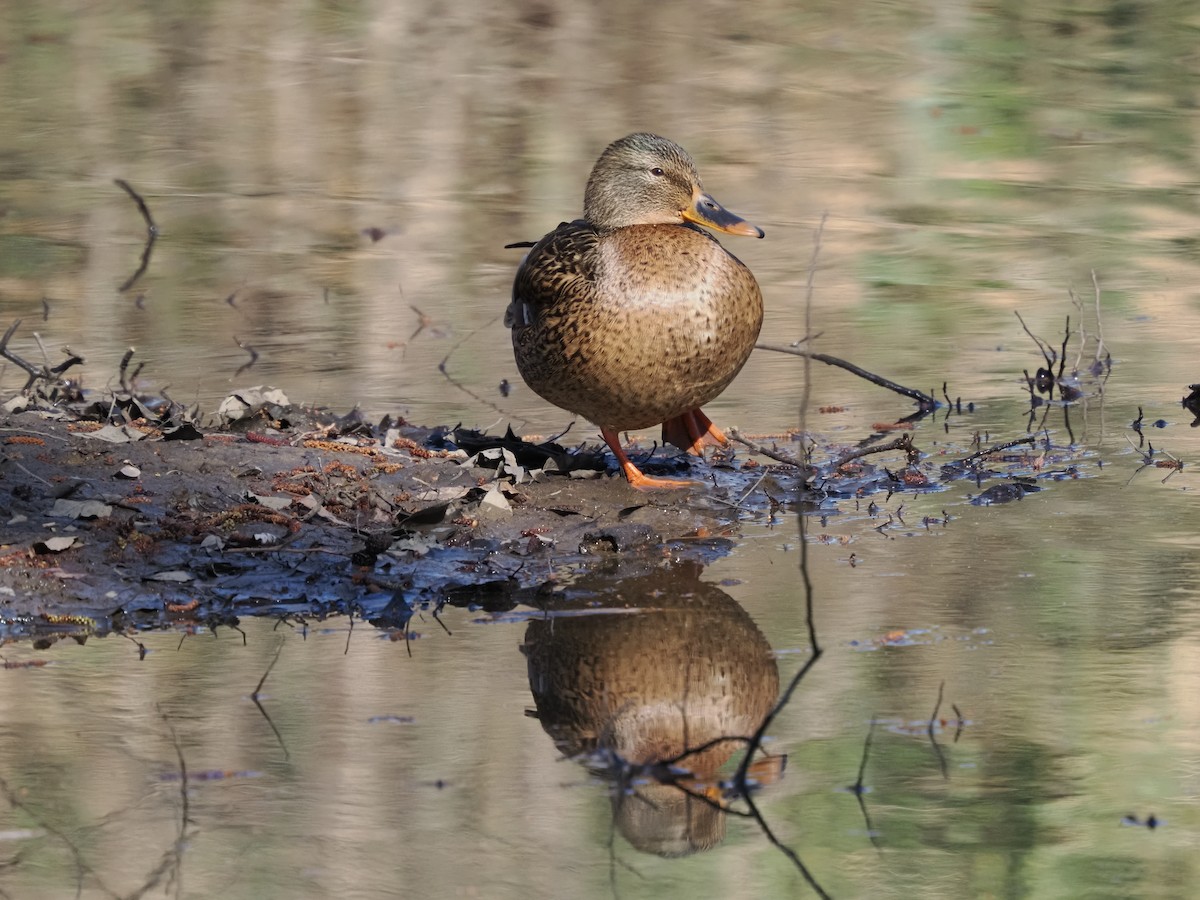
657 172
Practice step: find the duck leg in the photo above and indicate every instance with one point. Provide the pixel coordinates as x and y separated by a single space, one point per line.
691 430
632 473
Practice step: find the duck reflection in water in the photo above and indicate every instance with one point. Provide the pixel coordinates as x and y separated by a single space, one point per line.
626 692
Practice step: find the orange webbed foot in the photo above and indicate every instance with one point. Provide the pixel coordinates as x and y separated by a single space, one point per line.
633 474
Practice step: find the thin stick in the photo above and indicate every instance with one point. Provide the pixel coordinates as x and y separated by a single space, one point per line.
988 450
45 372
925 402
786 850
904 442
1047 353
776 455
458 384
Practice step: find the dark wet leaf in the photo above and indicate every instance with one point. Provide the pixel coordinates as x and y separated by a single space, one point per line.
430 515
185 432
353 423
531 456
497 595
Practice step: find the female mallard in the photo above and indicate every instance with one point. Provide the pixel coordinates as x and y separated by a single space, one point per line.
632 316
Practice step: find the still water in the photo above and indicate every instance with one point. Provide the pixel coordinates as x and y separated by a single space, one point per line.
334 187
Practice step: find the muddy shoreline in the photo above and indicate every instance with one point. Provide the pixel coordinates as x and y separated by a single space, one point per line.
303 515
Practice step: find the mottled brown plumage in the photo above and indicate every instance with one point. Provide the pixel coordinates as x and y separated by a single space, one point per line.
633 316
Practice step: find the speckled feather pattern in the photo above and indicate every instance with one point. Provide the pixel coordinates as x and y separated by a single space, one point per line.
632 326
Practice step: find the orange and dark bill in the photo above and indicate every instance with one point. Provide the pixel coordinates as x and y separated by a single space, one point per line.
708 212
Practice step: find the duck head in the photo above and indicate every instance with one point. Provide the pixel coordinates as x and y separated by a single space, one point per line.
644 179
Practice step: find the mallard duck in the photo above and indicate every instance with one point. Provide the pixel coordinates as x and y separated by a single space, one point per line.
633 316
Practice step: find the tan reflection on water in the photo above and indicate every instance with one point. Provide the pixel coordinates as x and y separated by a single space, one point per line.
663 685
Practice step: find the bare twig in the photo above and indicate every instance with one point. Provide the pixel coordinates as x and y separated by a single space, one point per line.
776 455
1047 353
925 402
904 442
44 372
785 849
966 460
442 367
1062 355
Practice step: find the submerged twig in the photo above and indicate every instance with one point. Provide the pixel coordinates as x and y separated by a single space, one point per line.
442 367
966 460
1047 352
254 697
81 867
250 362
151 234
858 790
936 746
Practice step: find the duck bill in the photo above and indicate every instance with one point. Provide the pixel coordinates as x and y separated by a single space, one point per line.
708 212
